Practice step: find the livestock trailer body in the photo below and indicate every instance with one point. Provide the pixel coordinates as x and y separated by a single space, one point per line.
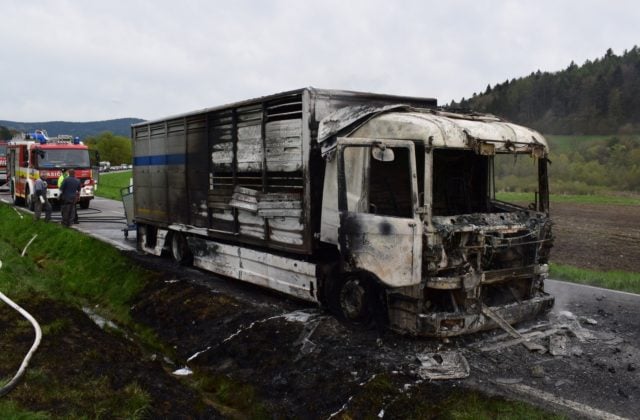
187 167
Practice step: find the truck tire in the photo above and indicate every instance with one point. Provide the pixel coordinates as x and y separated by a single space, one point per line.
84 204
180 249
354 300
358 300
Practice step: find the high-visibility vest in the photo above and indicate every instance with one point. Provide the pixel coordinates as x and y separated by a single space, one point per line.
61 178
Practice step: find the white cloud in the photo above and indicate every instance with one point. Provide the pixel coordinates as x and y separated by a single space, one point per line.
80 61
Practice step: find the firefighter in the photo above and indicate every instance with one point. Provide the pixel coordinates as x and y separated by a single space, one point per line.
40 199
69 190
62 176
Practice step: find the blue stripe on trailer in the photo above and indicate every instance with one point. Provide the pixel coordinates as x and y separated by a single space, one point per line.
174 159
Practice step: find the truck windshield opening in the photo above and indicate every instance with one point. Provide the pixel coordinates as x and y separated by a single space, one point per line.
516 179
462 182
60 158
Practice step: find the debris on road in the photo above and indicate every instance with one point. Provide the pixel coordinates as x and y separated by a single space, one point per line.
443 365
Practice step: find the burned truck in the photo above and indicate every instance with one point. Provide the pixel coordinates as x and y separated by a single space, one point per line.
381 208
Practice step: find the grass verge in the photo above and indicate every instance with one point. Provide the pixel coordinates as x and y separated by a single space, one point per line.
66 265
110 184
616 280
512 197
63 265
10 410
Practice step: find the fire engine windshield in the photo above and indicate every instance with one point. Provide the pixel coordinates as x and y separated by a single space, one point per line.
61 158
3 150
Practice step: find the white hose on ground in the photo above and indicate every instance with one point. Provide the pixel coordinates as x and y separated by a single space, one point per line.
16 210
13 382
27 245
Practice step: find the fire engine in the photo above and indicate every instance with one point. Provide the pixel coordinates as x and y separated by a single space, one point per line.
3 163
32 154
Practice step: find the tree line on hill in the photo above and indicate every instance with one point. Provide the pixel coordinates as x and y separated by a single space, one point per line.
119 127
599 97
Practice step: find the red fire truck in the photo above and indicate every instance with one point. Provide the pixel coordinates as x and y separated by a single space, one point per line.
3 162
29 155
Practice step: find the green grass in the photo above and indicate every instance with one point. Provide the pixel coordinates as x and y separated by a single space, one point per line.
232 398
88 400
65 265
515 197
476 406
110 184
70 267
616 280
11 411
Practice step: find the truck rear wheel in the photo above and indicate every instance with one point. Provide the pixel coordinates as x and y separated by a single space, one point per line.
84 204
180 249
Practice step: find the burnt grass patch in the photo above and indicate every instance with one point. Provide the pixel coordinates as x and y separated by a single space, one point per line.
257 360
81 370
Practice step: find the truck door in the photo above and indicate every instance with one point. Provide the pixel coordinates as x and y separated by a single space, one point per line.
380 229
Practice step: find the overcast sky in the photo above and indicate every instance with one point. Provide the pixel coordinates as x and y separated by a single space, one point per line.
90 60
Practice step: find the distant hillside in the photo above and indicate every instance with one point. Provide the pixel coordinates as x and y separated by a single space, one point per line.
598 97
120 127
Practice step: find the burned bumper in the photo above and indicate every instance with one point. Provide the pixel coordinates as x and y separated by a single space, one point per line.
449 324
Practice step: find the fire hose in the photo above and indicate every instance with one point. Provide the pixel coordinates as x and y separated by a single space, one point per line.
36 342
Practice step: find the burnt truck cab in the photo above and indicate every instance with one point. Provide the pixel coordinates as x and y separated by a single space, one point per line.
410 202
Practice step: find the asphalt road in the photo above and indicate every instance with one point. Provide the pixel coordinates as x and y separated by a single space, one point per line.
104 220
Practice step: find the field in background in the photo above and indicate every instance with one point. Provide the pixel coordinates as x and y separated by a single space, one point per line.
111 182
616 200
567 143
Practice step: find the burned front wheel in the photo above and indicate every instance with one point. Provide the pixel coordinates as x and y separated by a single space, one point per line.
360 301
354 300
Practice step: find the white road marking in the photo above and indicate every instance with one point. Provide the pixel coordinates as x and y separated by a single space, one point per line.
574 406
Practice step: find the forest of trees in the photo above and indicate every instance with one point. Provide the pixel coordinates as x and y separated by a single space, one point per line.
599 97
118 126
